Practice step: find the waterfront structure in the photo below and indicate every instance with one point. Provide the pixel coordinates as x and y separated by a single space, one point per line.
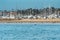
12 15
8 15
31 13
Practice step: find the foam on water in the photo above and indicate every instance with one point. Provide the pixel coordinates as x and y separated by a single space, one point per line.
29 31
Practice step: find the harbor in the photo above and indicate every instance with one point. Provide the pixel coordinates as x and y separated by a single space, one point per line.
49 14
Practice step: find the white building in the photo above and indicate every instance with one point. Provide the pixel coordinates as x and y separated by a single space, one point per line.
9 15
53 16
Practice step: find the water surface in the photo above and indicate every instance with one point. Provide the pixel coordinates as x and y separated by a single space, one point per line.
31 31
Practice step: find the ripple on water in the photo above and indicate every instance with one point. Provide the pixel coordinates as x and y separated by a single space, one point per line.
27 31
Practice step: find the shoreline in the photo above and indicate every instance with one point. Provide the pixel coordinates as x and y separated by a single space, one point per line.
30 23
30 20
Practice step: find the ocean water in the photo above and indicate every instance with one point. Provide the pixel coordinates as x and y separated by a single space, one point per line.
31 31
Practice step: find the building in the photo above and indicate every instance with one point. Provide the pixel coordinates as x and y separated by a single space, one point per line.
8 15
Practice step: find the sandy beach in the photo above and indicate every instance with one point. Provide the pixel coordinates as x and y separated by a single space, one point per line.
56 20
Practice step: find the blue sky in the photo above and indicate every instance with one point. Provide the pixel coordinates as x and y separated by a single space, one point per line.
24 4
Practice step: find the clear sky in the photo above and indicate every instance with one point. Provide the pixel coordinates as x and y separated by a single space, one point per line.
24 4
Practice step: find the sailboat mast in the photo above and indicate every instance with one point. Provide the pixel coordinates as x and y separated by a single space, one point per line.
16 10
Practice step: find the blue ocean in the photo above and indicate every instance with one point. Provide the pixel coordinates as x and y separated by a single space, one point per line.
29 31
